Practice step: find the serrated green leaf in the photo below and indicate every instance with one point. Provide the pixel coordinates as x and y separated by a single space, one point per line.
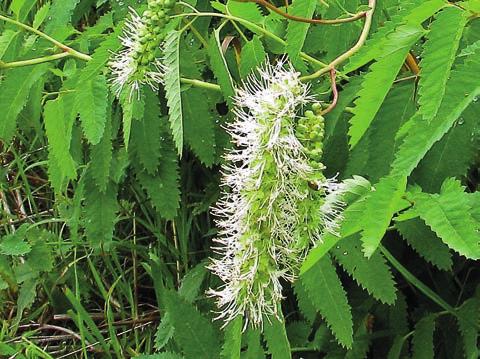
398 107
14 245
325 291
101 56
41 15
448 215
220 68
305 305
146 135
100 215
233 340
380 208
437 59
101 155
192 282
378 81
423 338
162 187
199 125
193 332
461 90
351 223
6 39
276 338
14 95
21 8
91 102
426 243
26 297
453 155
40 258
253 55
58 118
247 11
468 317
297 31
133 108
164 332
411 13
172 87
60 15
372 274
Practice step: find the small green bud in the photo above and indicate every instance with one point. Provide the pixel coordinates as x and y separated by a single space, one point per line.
309 114
317 108
169 3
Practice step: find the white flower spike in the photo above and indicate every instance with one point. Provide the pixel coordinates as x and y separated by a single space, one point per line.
138 63
277 202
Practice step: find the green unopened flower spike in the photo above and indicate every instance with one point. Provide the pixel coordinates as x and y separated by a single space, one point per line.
138 63
277 201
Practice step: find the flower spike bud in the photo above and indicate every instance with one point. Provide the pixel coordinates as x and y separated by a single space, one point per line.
138 62
269 216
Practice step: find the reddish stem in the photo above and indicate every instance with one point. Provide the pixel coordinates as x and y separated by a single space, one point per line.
333 81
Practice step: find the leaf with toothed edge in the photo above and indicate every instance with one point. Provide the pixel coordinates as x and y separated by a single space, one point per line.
325 291
14 95
233 340
372 274
423 338
220 68
378 80
448 215
381 205
194 333
171 62
91 102
425 243
437 58
276 337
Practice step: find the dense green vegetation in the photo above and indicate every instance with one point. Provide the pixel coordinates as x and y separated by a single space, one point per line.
113 118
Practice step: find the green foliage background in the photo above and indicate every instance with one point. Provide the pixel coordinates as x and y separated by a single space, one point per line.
104 202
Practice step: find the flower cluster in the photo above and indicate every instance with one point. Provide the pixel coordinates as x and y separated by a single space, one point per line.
277 202
138 62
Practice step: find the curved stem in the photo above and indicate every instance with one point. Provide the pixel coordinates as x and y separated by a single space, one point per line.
259 29
353 50
302 19
333 81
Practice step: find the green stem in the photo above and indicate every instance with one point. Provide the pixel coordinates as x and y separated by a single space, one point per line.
360 42
257 28
416 282
201 84
39 60
65 48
